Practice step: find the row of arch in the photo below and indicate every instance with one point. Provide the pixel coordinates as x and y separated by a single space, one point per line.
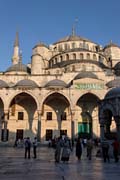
73 45
74 56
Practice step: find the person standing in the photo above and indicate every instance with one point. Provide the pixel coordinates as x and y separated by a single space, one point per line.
105 150
27 147
35 147
79 149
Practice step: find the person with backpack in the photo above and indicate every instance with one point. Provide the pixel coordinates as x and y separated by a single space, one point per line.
27 147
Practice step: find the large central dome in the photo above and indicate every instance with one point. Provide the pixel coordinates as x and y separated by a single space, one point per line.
72 38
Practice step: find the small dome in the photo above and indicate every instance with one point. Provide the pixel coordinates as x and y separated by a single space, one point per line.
27 83
18 68
111 45
3 84
56 83
115 92
113 83
40 44
86 75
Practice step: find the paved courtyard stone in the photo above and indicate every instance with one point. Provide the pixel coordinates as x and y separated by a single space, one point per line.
13 166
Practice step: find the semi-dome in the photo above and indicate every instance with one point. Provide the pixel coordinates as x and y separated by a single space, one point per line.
26 83
3 84
72 38
115 92
18 68
86 75
56 83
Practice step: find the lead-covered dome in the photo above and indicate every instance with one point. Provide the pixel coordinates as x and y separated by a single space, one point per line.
56 83
18 68
72 38
115 92
27 83
3 84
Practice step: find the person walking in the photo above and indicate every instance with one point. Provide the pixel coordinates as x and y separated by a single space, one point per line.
79 149
89 148
35 147
27 147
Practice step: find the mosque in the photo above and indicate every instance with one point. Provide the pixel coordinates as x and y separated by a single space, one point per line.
70 87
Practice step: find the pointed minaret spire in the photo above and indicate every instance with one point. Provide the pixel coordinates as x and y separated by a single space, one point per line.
15 58
16 43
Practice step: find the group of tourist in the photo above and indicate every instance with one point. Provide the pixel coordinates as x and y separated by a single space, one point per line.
64 146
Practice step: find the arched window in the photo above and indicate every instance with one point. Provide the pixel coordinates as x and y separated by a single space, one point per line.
94 57
81 45
66 46
67 57
87 47
61 58
60 48
81 56
73 45
55 60
88 56
74 56
73 67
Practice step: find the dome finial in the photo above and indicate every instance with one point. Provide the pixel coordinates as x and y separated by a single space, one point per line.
74 27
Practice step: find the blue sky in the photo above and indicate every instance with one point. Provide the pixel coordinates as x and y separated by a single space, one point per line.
50 20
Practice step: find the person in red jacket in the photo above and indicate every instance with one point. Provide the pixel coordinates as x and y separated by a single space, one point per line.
115 145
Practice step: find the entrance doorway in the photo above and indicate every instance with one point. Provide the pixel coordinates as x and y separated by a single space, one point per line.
19 134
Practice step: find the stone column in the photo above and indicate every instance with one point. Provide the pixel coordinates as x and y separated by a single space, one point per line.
102 131
72 124
39 127
118 131
5 122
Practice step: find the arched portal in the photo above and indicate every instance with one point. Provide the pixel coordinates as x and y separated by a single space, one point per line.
87 113
23 117
56 116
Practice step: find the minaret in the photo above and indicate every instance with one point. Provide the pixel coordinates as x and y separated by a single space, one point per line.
15 58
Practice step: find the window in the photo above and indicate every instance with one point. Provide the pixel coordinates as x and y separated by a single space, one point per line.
63 116
49 134
74 56
63 132
94 57
73 45
88 56
67 57
20 115
81 56
49 116
61 58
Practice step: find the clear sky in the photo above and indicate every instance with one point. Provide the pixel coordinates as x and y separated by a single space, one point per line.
50 20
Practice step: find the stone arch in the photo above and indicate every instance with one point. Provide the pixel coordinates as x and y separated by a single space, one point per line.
23 116
18 92
87 114
50 93
56 115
